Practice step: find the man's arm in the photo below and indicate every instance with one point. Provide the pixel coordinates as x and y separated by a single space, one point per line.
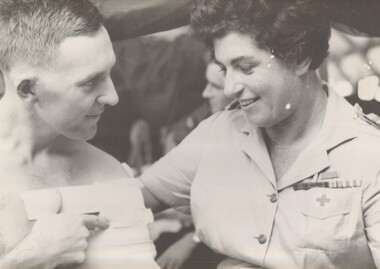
130 18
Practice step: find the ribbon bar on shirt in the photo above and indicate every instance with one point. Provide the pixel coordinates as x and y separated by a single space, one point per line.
332 184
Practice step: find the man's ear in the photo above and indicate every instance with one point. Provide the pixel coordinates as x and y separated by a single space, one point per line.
303 66
26 89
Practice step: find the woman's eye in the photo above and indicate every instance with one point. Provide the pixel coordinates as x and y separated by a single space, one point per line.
222 69
246 69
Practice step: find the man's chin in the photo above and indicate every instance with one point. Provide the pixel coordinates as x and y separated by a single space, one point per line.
91 135
84 135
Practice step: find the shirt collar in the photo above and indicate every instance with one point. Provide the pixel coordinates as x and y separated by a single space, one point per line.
340 123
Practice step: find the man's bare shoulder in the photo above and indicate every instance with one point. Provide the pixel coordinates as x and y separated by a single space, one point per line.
95 165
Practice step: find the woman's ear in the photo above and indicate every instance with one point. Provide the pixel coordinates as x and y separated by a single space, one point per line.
303 66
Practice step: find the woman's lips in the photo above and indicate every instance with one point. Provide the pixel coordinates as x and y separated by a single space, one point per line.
248 102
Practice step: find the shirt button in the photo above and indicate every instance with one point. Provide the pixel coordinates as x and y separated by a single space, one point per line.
273 198
262 239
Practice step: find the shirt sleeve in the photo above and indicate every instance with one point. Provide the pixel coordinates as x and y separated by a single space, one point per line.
371 210
170 178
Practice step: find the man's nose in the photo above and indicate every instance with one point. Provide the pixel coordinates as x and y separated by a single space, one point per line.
109 96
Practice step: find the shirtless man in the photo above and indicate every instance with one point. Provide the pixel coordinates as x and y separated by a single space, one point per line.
55 62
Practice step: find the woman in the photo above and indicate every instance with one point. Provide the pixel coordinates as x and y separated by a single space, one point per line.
288 177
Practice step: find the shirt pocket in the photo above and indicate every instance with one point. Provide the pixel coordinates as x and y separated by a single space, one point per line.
324 219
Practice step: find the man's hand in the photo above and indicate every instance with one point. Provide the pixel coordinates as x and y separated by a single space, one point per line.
55 239
62 239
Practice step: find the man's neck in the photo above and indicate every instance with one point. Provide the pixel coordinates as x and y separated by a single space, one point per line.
21 135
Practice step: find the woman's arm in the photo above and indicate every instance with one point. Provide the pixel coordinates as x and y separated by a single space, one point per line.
152 202
168 181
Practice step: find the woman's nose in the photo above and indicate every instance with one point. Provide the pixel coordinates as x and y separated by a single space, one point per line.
207 92
232 87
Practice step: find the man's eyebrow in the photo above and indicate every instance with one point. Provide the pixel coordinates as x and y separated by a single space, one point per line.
94 75
90 77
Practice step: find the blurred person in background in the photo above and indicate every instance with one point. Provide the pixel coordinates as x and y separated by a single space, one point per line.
214 91
217 101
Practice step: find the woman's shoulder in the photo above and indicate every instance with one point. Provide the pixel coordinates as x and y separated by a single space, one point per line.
227 123
225 118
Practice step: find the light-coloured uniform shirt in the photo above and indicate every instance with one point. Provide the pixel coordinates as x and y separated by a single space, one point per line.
324 212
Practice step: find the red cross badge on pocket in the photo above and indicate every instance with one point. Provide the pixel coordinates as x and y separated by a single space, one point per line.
322 200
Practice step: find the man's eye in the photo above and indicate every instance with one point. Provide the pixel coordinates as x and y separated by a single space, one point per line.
90 83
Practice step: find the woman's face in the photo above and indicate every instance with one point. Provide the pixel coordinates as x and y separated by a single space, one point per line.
267 88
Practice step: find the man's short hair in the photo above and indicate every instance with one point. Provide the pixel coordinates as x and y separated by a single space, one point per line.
32 30
293 29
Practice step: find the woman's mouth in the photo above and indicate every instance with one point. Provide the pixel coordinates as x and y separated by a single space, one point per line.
248 102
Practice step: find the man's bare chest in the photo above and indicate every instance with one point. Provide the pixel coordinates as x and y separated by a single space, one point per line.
14 225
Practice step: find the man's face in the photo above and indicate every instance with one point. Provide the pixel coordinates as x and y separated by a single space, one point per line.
213 91
262 83
72 95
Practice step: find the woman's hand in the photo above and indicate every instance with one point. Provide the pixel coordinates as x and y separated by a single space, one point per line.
177 254
375 119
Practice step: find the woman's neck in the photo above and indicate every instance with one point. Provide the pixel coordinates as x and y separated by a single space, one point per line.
304 123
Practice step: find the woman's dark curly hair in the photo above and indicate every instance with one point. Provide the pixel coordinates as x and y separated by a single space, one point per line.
293 29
